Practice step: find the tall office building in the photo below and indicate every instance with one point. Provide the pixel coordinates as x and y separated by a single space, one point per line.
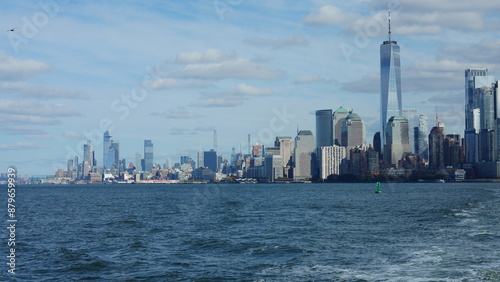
397 143
201 162
332 158
390 82
304 157
353 132
324 128
453 151
148 155
285 143
422 137
412 117
474 78
114 155
210 160
88 153
436 147
105 148
338 118
485 91
138 162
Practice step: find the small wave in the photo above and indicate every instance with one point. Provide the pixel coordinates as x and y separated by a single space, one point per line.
95 265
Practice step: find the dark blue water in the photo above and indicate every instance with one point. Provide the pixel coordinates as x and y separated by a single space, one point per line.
299 232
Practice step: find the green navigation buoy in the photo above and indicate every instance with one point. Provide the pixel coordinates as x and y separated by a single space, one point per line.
378 188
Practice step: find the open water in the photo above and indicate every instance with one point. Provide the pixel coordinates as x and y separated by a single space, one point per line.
256 232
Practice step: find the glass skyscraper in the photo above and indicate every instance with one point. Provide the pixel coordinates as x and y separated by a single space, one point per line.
390 82
148 155
324 128
105 148
479 115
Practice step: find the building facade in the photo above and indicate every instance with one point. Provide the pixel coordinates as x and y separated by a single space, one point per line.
332 158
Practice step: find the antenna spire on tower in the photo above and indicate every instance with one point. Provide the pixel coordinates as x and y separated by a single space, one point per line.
389 18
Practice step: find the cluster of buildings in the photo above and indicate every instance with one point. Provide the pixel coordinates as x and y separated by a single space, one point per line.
404 145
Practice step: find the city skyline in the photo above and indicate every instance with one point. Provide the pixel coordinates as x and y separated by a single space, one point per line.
174 72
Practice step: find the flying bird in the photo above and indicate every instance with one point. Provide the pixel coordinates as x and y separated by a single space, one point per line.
12 29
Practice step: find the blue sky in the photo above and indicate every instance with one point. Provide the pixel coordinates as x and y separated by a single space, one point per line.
173 71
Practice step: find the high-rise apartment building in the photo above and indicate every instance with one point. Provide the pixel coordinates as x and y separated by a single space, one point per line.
332 158
421 137
390 82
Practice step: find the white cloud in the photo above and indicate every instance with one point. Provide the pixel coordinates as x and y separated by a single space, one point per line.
35 109
162 83
239 68
38 136
73 135
17 130
20 146
441 5
224 101
13 68
307 79
245 89
181 131
26 119
290 41
209 56
24 89
417 29
181 113
455 20
329 15
484 53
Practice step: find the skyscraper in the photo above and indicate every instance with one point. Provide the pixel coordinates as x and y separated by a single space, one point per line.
210 160
105 148
412 117
88 153
436 147
487 122
114 155
138 162
338 118
353 132
453 151
421 137
148 155
285 143
397 143
304 156
474 78
390 82
324 128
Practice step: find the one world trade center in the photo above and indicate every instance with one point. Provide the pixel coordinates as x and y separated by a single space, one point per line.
390 82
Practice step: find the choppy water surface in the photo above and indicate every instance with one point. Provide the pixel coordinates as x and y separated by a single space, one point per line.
258 232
